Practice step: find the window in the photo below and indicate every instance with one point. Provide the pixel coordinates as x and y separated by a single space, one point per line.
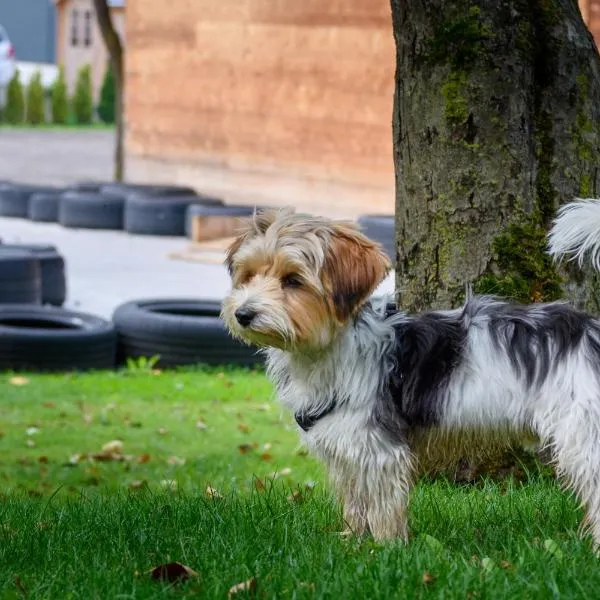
87 28
74 28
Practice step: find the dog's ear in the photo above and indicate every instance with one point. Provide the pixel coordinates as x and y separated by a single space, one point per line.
354 266
250 227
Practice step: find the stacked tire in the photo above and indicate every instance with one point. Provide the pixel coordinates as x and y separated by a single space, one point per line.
15 198
179 332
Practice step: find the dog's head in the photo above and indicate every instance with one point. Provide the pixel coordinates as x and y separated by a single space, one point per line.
298 279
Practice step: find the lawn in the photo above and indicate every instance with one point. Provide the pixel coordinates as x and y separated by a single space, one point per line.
202 467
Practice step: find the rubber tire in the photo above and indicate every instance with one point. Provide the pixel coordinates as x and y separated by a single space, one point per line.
20 277
14 200
382 229
91 211
86 186
159 215
88 342
148 328
228 210
43 207
52 270
143 189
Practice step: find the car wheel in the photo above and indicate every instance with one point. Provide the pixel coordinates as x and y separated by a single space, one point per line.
43 207
14 199
217 219
20 277
91 211
179 332
382 229
41 338
159 215
52 270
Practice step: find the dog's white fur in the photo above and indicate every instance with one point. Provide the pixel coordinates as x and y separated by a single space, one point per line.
389 396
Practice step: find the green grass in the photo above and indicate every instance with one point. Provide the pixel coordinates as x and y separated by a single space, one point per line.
78 529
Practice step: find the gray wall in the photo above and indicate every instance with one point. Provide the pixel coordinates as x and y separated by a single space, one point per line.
31 27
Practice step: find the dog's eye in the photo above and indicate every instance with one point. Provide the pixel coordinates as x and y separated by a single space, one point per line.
291 281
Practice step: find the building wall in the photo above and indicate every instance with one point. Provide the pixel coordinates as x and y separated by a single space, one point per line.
72 56
30 24
265 101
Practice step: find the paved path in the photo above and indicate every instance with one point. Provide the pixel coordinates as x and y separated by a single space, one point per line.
104 268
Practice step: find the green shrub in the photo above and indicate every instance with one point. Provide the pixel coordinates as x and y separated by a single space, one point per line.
60 99
14 112
106 104
35 109
83 106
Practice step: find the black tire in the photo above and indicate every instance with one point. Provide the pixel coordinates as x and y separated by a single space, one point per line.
20 277
86 186
180 332
159 215
91 211
52 270
43 207
382 229
14 199
41 338
228 210
143 189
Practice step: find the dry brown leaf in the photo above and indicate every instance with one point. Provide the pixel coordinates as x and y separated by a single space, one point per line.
428 578
173 572
43 460
244 428
211 492
296 497
49 405
259 484
18 380
144 458
266 456
245 448
176 460
504 564
248 586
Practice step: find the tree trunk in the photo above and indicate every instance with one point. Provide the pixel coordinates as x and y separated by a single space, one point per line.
496 122
115 52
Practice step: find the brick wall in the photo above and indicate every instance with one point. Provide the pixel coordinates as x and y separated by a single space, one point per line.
264 100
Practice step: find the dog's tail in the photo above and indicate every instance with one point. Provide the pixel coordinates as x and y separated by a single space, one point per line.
575 233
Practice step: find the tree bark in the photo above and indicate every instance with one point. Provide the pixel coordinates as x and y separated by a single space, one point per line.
496 122
115 52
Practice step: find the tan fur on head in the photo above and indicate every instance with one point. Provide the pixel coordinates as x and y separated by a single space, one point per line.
298 278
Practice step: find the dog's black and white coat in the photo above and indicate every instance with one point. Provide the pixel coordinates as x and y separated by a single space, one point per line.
395 393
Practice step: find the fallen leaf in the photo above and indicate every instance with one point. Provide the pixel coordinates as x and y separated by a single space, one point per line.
200 424
552 548
248 586
267 446
113 447
43 460
169 484
245 448
285 471
144 458
173 572
259 484
162 431
30 443
18 380
176 460
487 563
49 405
302 452
138 484
296 497
504 564
211 492
244 428
32 430
266 456
428 578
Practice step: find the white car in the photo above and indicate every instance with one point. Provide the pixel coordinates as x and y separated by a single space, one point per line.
8 63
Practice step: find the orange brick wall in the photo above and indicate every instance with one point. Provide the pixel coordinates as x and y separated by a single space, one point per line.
264 100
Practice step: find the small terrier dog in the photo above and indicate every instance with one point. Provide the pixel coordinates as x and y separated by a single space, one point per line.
381 396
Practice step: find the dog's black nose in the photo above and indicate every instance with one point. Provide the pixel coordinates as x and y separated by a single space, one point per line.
245 316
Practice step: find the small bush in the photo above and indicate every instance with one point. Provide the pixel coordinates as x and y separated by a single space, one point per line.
83 106
60 99
14 112
106 104
35 101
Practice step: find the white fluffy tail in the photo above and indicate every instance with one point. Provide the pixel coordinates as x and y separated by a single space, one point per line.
576 232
